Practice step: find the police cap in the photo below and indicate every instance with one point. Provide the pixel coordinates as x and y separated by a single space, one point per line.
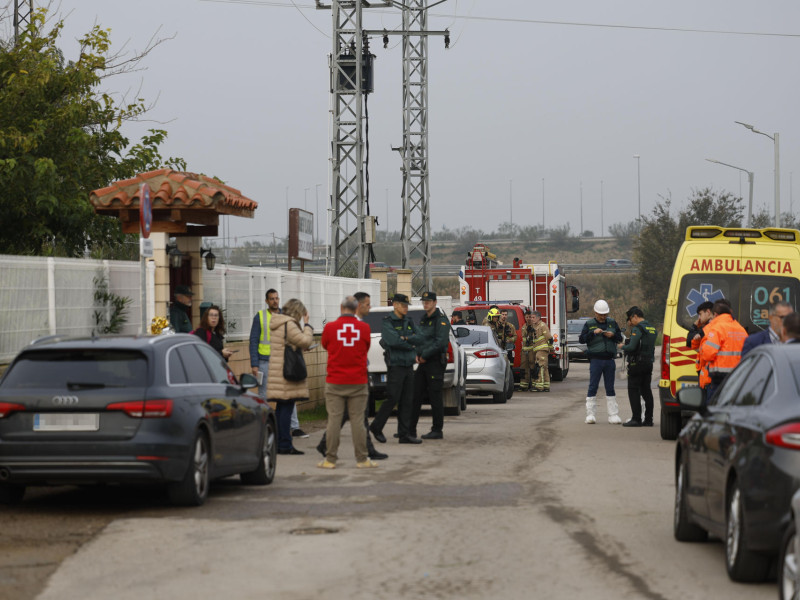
429 296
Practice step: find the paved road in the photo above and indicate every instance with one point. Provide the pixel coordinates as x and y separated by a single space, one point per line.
518 501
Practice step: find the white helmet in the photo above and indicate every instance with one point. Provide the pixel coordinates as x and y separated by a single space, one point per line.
601 307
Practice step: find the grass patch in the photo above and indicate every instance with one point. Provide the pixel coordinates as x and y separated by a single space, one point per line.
318 413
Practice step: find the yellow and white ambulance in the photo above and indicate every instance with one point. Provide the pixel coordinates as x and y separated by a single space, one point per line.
752 268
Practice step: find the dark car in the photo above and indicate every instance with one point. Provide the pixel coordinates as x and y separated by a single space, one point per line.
131 410
619 262
737 460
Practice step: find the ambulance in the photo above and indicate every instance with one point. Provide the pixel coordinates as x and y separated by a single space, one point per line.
753 268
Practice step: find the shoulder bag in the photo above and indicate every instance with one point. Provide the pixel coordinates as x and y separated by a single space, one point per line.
294 365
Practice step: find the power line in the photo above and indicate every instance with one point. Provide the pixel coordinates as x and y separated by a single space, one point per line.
536 21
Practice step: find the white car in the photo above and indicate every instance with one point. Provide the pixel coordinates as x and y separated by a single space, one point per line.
454 392
488 370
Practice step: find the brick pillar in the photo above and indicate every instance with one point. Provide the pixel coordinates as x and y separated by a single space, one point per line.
404 281
381 274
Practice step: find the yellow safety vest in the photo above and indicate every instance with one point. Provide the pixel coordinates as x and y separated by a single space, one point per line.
264 345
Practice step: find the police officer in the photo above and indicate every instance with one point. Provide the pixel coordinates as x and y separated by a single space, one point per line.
639 353
434 335
181 309
398 335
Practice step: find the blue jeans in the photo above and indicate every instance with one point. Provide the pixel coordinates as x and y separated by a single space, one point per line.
283 412
605 367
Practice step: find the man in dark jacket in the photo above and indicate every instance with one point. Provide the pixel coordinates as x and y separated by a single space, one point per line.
181 309
398 335
434 335
772 334
640 353
601 336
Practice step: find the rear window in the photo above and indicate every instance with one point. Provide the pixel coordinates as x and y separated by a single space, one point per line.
750 296
475 338
77 369
375 319
475 316
575 326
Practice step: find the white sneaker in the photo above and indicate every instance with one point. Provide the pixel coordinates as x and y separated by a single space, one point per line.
590 420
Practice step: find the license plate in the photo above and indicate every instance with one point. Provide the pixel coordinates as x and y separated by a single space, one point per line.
66 422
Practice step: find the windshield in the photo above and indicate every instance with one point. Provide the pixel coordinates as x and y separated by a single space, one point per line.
77 369
475 316
750 296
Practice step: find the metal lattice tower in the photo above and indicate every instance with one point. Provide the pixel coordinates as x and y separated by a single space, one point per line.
348 244
23 11
415 234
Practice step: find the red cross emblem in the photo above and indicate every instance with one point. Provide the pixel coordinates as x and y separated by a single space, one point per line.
348 334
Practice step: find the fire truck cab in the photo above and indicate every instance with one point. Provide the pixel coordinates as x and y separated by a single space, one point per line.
483 281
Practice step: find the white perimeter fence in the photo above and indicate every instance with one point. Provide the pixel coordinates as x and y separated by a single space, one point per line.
42 296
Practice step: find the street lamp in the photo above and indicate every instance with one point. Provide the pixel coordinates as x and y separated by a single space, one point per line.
750 176
639 185
776 140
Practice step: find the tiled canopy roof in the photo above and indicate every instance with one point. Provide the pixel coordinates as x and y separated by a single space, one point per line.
178 199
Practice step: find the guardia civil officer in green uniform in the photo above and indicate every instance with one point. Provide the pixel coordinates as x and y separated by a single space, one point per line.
640 352
398 335
434 335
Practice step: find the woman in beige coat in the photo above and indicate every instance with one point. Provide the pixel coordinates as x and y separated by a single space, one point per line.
292 325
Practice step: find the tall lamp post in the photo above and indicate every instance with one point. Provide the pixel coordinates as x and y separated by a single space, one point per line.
776 141
639 185
750 177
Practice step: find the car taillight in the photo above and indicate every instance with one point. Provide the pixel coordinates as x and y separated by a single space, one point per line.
6 408
450 358
486 354
665 357
785 436
149 409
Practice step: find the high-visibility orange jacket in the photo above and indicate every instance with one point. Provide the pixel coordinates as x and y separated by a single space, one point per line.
721 347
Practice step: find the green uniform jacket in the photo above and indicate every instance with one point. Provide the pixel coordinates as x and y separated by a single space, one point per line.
401 352
434 335
641 347
178 319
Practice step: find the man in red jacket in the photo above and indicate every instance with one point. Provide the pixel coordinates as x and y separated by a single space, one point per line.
347 341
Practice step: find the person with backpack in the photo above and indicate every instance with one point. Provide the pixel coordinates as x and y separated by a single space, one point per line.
601 336
212 331
640 354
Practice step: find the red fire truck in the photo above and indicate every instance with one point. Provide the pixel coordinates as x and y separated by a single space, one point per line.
520 287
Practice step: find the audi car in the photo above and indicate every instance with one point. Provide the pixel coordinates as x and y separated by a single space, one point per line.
163 410
737 461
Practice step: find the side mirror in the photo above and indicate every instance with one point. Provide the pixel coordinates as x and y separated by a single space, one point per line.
576 303
692 398
462 332
248 381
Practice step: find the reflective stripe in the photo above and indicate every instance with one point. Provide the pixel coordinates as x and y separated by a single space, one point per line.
264 345
712 344
720 369
728 353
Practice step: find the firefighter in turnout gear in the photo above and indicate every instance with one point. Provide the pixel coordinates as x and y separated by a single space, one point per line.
536 351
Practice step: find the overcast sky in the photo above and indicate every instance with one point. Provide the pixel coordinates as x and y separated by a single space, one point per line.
243 91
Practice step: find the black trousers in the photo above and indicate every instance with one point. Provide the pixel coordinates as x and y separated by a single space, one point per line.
399 393
428 381
638 389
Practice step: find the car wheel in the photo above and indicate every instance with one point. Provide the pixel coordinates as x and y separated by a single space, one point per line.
670 425
192 490
787 566
11 494
684 530
265 471
743 565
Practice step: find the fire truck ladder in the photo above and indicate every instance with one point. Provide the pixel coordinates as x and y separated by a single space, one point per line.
540 288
